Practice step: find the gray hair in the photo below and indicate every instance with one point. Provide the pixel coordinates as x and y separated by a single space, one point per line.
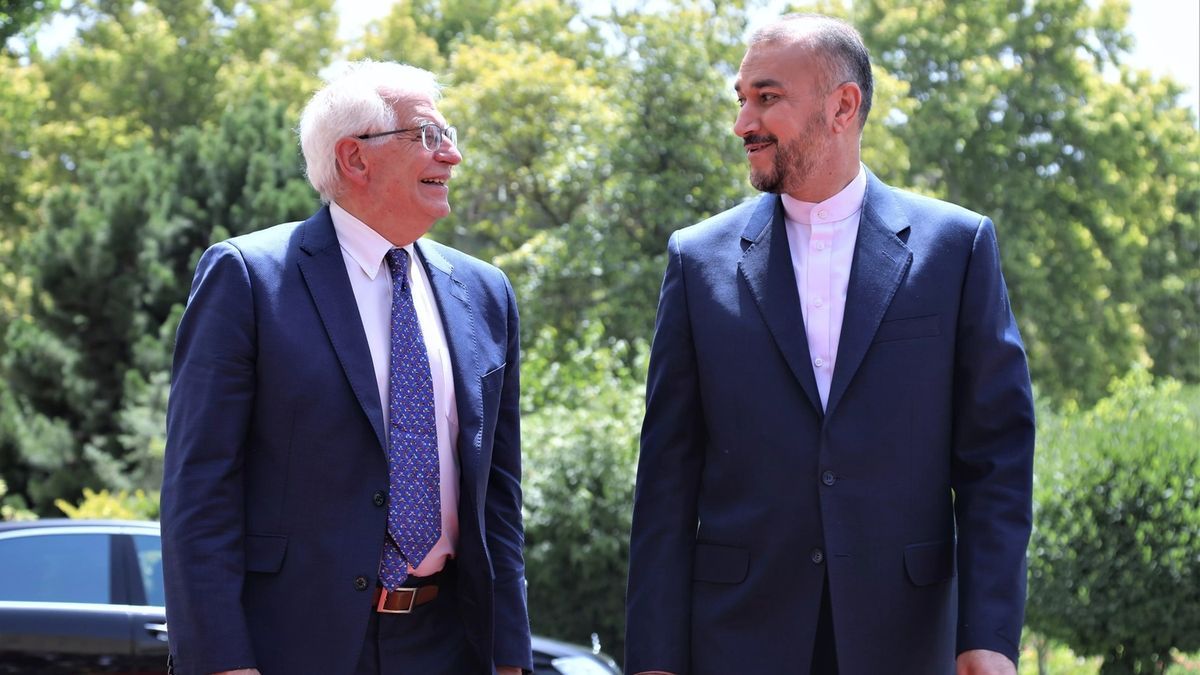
839 46
358 100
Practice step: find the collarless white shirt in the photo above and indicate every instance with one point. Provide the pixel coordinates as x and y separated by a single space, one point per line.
821 238
364 251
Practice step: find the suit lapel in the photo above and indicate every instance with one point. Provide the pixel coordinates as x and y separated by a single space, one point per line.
458 322
881 259
766 265
324 272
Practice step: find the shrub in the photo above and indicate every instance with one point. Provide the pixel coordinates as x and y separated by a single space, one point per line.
122 505
580 452
1115 553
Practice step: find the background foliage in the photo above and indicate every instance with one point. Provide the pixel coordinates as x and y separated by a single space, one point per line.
1114 564
589 135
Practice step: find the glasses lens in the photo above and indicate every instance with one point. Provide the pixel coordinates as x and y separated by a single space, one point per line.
432 135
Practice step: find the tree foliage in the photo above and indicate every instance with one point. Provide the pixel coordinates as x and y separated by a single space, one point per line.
580 439
1115 554
88 362
1014 117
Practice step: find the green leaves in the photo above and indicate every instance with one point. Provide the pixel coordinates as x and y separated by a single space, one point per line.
1012 115
1114 562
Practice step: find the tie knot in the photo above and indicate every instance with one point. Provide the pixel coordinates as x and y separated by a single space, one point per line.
398 264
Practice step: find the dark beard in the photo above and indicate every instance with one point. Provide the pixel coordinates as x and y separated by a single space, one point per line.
794 162
790 164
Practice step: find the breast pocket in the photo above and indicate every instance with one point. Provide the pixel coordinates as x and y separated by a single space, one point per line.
909 328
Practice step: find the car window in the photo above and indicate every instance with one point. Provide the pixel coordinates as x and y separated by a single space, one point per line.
55 568
149 555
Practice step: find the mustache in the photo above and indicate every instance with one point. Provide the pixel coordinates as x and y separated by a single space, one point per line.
766 138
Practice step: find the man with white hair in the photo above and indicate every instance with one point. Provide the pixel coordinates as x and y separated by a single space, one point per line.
342 484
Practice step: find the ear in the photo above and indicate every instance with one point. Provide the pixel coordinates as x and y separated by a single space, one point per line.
845 101
352 163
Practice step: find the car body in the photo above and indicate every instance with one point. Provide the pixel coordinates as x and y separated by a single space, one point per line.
86 596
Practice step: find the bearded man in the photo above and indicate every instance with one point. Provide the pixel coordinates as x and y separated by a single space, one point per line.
836 459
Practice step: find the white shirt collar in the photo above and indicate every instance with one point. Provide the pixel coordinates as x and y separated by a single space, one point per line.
366 246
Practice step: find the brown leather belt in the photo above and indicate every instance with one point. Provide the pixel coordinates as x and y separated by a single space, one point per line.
403 600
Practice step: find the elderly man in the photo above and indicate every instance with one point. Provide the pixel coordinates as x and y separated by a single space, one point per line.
342 486
836 460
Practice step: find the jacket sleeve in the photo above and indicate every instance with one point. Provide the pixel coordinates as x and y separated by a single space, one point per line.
992 463
505 529
658 622
208 414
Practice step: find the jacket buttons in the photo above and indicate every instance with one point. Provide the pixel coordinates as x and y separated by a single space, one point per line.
379 498
360 583
818 556
828 478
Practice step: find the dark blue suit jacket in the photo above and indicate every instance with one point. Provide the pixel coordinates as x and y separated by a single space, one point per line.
275 451
912 490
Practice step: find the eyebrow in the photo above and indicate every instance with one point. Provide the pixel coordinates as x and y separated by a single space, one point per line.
759 84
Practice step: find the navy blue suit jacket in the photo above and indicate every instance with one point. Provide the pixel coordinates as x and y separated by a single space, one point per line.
912 490
276 450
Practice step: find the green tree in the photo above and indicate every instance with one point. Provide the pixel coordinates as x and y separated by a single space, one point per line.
19 16
1013 117
1114 568
580 448
88 364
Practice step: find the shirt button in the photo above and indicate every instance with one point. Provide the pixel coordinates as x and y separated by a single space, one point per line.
360 583
820 246
818 556
379 498
819 302
819 362
822 213
828 478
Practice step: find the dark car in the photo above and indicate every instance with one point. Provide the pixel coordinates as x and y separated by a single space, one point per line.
86 596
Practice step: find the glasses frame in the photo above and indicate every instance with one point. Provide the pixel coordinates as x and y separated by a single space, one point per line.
432 145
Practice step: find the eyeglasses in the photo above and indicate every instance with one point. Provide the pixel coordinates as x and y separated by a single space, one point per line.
431 135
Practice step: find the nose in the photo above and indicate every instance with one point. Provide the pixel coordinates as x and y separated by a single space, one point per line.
448 153
746 122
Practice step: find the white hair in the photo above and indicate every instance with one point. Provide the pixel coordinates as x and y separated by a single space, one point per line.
358 100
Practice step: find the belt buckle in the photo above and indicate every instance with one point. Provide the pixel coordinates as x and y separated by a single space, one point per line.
383 596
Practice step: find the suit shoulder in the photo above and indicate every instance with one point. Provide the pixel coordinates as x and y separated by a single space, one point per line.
463 264
456 257
270 242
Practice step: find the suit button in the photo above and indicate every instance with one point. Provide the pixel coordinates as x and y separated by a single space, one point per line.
380 499
828 478
818 556
360 583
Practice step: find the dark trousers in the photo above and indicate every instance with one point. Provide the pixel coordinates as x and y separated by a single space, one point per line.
429 641
824 660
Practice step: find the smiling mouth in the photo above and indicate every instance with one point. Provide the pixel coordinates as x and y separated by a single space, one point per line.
435 181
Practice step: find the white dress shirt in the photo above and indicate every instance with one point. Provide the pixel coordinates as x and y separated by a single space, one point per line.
363 251
821 237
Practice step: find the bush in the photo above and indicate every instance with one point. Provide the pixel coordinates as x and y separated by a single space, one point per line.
13 508
1115 553
122 505
580 451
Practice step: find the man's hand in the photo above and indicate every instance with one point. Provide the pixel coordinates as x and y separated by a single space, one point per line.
242 671
984 662
508 670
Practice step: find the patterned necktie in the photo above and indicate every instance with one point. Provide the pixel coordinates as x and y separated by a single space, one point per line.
414 485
